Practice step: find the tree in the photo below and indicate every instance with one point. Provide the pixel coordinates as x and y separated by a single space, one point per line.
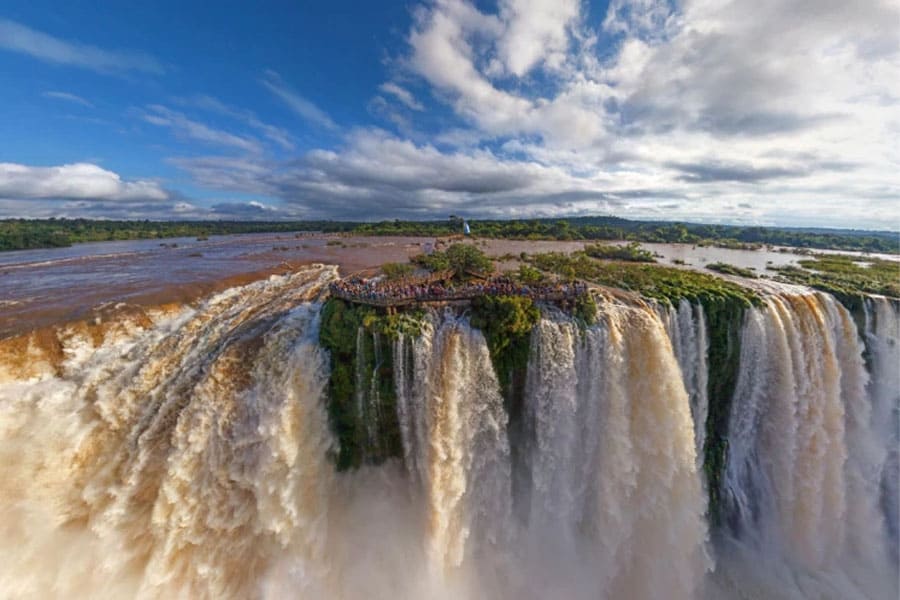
529 275
395 271
465 257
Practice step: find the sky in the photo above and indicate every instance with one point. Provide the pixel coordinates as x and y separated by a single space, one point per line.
771 112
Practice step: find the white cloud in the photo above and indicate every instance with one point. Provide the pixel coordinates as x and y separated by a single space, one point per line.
768 103
78 181
762 111
67 97
379 175
536 30
297 103
19 38
402 94
185 127
454 46
278 135
89 191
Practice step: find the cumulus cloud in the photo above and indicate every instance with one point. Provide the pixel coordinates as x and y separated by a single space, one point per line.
89 191
16 37
379 175
536 31
76 182
767 103
247 210
756 111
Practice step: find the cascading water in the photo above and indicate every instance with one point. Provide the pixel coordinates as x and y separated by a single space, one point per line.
882 338
686 326
615 488
805 465
187 453
456 435
173 460
412 363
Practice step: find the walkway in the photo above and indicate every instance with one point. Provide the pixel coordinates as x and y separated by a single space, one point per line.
392 296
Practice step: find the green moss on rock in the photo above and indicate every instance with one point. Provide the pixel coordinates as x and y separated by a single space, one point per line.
724 321
506 322
341 322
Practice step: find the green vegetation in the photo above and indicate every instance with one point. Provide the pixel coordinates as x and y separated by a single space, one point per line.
585 310
21 234
666 284
731 244
724 319
845 276
727 269
630 252
395 271
528 275
461 258
436 261
338 333
506 322
614 228
17 234
465 258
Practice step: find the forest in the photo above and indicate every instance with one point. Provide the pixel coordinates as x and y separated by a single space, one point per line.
19 234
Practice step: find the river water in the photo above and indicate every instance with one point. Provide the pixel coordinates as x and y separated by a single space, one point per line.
41 287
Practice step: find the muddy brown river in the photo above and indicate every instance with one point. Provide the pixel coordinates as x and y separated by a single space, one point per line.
42 287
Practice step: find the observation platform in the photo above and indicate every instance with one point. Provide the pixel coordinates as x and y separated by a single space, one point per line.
409 293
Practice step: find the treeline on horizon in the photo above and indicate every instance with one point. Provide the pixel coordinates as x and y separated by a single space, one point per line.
21 234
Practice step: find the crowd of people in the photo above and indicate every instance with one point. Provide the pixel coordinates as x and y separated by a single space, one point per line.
379 291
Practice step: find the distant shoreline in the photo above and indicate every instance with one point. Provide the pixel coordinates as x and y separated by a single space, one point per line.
29 234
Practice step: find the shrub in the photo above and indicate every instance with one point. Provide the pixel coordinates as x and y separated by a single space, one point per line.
629 252
727 269
529 275
394 271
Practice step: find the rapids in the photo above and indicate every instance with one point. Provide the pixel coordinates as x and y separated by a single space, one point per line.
186 452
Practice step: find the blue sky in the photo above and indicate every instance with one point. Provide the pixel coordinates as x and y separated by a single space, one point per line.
737 111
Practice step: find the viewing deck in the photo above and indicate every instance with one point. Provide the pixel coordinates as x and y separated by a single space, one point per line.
405 296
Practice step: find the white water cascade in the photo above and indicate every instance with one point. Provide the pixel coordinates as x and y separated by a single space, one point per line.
686 326
882 336
615 488
185 452
805 461
453 425
174 457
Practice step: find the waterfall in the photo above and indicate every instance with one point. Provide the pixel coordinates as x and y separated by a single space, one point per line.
882 338
403 386
804 467
187 452
686 327
412 366
614 475
455 438
366 393
174 458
